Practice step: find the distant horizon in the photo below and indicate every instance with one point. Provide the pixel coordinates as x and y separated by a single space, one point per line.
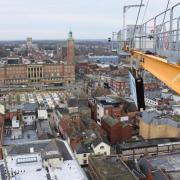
24 40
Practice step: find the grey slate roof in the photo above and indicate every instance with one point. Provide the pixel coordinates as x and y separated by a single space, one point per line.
43 127
158 175
83 148
74 102
41 146
153 117
30 107
98 140
63 110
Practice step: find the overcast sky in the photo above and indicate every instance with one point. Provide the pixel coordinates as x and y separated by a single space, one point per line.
52 19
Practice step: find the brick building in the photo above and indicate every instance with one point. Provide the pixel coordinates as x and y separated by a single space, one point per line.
119 83
117 129
103 105
63 72
116 108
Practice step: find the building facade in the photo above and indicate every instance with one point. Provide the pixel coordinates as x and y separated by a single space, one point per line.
116 129
63 72
34 73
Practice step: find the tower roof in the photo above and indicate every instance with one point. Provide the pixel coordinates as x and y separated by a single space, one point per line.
70 35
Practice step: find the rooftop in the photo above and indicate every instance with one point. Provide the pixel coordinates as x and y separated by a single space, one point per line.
146 143
30 107
28 135
104 100
170 163
111 167
39 146
43 128
110 120
159 118
75 102
121 79
24 165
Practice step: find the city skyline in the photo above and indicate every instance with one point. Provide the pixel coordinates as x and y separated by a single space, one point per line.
53 19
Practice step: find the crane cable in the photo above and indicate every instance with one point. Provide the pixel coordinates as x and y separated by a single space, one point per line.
145 12
137 20
164 15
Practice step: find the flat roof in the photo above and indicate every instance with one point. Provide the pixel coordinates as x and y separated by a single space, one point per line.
107 100
121 79
30 165
28 135
169 162
110 120
146 143
111 167
27 171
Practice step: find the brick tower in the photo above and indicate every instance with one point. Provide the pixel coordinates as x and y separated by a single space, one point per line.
70 49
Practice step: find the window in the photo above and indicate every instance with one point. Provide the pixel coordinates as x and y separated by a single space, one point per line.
85 155
85 161
101 147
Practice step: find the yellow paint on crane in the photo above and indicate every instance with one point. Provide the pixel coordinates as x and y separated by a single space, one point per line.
160 68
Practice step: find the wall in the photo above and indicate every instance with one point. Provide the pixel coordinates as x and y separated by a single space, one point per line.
118 132
80 158
100 112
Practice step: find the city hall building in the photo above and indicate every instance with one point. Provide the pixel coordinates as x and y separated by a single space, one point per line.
62 72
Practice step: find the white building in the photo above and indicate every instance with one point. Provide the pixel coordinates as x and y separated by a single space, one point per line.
42 160
151 101
29 113
42 114
16 130
97 146
103 104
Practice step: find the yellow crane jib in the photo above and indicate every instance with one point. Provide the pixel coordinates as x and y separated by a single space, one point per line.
160 68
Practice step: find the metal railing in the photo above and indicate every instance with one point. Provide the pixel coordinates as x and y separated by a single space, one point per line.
160 35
